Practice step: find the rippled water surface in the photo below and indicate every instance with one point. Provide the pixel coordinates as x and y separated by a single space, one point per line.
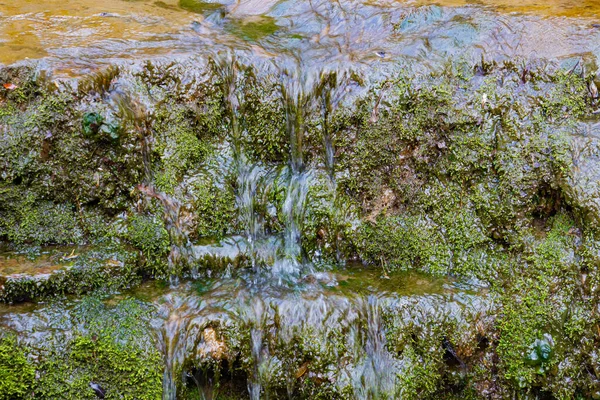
78 36
569 8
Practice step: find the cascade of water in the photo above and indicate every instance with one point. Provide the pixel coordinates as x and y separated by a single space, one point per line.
375 379
297 101
255 318
331 90
248 175
173 337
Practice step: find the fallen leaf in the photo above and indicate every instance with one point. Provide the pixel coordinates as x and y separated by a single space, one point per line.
302 370
10 86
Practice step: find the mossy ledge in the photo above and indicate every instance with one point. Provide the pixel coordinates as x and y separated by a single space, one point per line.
477 172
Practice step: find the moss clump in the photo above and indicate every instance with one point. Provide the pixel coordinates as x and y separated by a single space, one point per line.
53 174
537 323
26 219
262 114
124 373
17 373
115 350
179 148
214 205
449 175
149 235
404 242
421 378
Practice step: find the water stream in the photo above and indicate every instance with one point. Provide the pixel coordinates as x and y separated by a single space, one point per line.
287 317
79 36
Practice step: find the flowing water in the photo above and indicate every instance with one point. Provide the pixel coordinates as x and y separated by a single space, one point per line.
190 322
77 36
313 47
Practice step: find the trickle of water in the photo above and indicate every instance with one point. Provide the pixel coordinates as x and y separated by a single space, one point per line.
254 384
290 262
173 336
375 378
297 99
331 90
250 177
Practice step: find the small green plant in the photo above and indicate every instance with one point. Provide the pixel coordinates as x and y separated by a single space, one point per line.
540 353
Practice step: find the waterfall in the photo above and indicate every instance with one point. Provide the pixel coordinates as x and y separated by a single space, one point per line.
276 258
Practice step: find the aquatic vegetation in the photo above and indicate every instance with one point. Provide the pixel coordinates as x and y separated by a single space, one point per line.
94 126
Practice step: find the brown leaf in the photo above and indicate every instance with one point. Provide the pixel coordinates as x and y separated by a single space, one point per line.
302 370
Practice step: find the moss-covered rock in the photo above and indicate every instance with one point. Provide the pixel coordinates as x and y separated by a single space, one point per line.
92 347
77 272
483 172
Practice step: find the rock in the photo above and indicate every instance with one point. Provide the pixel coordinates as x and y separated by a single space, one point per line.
100 392
582 183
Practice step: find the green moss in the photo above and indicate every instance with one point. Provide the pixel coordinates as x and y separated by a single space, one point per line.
253 30
421 377
115 352
198 6
215 208
263 119
148 234
534 309
26 219
17 373
448 173
52 174
404 242
179 149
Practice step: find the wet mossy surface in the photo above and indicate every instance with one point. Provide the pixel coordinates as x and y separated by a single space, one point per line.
464 173
82 270
96 347
16 371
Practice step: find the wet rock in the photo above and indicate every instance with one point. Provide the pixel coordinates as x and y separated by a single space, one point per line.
343 342
98 390
582 184
211 348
